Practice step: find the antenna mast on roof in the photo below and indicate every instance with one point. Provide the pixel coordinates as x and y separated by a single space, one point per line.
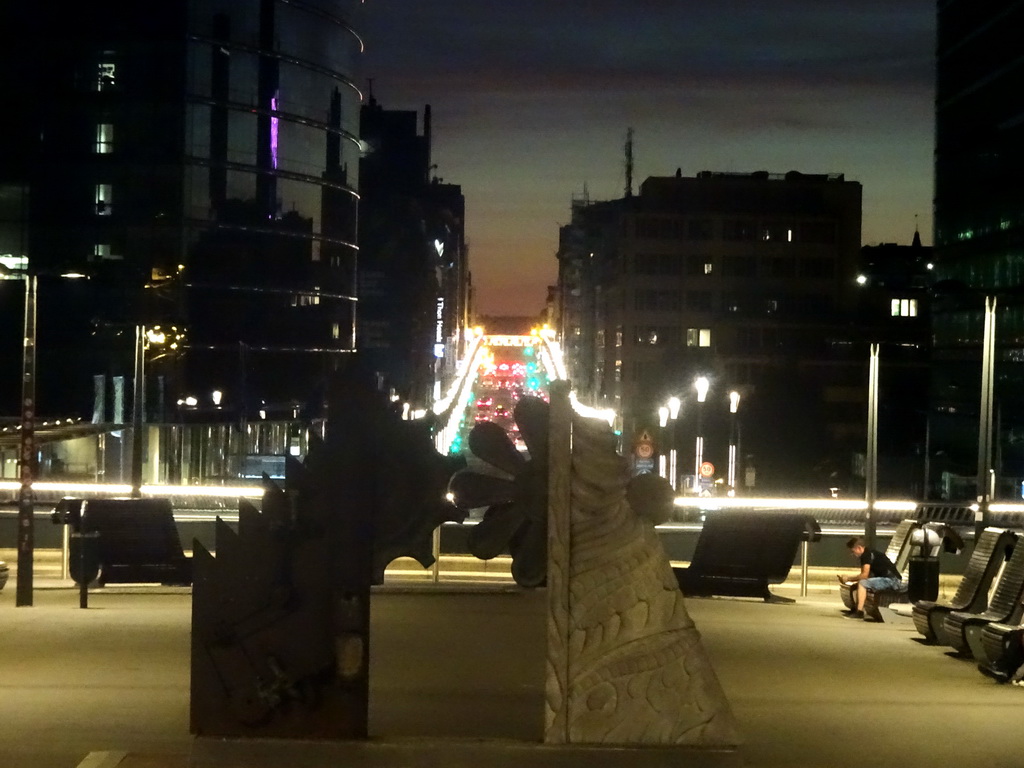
629 162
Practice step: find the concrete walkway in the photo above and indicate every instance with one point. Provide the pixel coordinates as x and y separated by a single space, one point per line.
108 686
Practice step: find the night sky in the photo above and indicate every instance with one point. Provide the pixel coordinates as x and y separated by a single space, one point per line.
532 100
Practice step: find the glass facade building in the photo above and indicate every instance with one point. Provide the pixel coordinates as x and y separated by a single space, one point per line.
198 161
979 233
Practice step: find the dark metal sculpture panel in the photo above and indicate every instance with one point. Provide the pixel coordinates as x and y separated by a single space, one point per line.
280 617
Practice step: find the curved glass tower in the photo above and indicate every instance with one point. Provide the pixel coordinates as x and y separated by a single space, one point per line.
979 248
198 160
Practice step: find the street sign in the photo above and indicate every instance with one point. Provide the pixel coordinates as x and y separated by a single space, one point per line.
707 469
644 447
643 466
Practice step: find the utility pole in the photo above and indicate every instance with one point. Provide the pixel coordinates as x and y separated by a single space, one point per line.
986 479
138 409
27 449
871 453
629 162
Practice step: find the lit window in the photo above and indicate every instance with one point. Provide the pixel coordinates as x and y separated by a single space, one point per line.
101 251
104 198
104 138
707 267
335 331
106 75
698 337
904 307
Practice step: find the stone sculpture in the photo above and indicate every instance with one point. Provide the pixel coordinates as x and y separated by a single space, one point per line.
625 661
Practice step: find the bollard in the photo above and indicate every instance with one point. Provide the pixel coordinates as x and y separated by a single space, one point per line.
65 553
436 547
804 549
86 544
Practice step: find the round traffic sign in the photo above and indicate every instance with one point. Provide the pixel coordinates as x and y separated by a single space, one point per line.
707 469
645 450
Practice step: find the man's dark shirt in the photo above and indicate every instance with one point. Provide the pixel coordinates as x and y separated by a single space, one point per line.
880 564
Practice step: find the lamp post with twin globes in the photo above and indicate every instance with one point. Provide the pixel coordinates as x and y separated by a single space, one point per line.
668 414
701 384
662 456
734 406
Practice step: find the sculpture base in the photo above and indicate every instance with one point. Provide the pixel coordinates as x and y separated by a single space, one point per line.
446 753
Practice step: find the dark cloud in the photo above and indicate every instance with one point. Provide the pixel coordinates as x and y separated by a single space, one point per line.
574 45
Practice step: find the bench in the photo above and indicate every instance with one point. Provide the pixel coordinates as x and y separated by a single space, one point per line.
962 630
123 541
926 539
898 553
738 554
993 642
883 598
991 550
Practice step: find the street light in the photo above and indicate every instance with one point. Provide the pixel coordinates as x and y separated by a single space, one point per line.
144 337
673 413
662 422
26 439
871 452
734 407
986 474
27 448
701 384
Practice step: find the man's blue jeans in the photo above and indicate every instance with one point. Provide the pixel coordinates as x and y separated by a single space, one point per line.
879 583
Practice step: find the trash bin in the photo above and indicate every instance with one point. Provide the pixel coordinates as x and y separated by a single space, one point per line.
923 579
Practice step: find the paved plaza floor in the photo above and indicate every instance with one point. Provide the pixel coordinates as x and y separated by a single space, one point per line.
810 689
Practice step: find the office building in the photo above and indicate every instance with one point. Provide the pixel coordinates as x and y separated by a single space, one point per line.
746 279
197 162
979 244
413 259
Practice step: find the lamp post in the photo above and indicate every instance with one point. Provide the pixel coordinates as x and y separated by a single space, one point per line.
701 384
662 458
673 413
27 449
871 452
986 475
143 338
26 439
734 406
138 409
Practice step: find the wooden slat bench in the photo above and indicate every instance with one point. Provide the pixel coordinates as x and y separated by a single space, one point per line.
898 553
962 629
882 598
990 551
992 642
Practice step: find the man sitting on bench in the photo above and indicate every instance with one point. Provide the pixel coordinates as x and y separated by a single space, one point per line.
876 573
